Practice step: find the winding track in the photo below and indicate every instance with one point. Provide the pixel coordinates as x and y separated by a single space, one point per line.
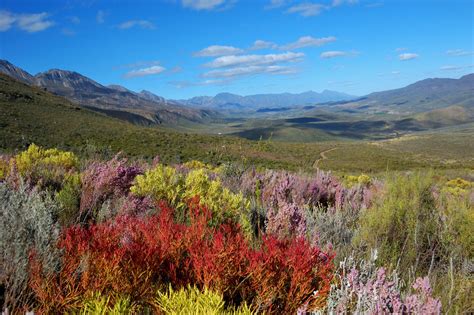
323 157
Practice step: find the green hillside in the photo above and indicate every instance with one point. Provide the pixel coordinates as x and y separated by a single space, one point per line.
31 115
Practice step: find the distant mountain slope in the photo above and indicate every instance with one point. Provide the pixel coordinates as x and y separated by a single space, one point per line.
425 95
15 72
234 101
87 92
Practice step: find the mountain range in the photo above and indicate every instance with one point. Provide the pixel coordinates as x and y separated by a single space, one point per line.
422 96
146 108
229 101
141 108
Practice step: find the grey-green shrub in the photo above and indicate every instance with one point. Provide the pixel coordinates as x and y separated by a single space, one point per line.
26 224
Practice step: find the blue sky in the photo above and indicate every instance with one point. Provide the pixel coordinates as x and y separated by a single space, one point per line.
184 48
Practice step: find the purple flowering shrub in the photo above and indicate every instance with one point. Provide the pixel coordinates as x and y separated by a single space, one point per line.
103 182
366 289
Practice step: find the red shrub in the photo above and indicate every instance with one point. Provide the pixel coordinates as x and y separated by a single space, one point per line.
137 255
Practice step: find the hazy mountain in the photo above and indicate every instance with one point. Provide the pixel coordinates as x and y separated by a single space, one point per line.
15 72
233 101
421 96
110 100
151 97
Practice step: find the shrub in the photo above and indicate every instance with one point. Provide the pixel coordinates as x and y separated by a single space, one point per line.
223 203
69 198
403 224
105 181
102 305
191 300
26 223
135 256
363 288
46 167
4 168
161 183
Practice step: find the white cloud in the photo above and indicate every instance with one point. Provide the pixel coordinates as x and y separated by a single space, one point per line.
311 8
207 4
145 72
254 60
336 3
249 70
139 23
32 23
407 56
261 44
276 4
6 20
217 50
455 68
459 52
308 41
100 17
400 49
337 53
332 54
307 9
184 84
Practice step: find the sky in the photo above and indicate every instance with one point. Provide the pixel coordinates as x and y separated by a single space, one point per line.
184 48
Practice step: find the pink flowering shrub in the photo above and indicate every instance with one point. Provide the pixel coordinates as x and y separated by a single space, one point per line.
365 289
105 181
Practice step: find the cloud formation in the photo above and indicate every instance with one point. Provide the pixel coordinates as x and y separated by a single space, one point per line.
308 41
249 70
30 23
136 23
261 44
407 56
217 50
459 52
254 60
145 72
207 4
306 9
333 54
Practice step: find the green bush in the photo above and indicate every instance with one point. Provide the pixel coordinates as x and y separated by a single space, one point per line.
69 198
403 224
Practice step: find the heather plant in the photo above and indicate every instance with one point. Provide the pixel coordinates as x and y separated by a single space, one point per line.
105 182
26 224
46 167
191 300
365 289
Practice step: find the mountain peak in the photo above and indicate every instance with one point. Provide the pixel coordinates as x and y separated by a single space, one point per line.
15 72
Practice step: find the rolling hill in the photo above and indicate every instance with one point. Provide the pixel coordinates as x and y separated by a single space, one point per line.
421 96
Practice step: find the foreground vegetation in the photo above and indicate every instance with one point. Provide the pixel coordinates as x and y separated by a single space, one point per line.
119 236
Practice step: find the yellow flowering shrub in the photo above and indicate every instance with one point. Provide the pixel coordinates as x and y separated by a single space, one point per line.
362 179
160 183
165 183
48 166
457 186
4 167
191 300
220 200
